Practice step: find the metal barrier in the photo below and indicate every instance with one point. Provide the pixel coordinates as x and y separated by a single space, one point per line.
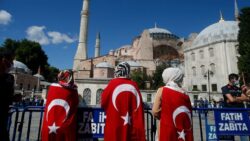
223 123
28 121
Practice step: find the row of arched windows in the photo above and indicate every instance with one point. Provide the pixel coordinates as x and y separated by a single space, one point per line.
203 69
87 96
201 54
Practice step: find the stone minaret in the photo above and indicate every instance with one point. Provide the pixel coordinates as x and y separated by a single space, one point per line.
236 11
97 45
81 53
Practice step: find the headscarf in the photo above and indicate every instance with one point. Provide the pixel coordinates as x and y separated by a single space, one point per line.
122 70
65 79
172 77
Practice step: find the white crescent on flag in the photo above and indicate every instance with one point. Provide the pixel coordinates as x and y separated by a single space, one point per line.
182 109
59 102
125 88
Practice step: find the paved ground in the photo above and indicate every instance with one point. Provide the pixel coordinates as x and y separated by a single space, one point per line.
34 129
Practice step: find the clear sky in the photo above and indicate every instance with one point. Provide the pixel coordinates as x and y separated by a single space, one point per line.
56 23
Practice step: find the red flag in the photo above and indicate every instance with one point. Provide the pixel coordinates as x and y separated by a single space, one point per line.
176 120
59 121
122 103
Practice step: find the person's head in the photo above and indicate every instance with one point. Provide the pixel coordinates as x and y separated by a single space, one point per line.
66 79
173 74
6 60
233 79
122 70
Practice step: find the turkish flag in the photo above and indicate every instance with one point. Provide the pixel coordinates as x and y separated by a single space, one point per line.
176 116
59 121
122 102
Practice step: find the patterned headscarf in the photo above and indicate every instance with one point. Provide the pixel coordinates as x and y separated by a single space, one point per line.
122 70
65 79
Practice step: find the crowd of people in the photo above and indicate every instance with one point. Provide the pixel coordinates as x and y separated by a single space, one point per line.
29 101
122 102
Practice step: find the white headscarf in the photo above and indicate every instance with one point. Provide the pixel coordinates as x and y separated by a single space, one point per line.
173 78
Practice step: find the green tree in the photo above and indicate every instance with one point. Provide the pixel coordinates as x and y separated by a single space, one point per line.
244 41
157 76
31 54
51 73
139 77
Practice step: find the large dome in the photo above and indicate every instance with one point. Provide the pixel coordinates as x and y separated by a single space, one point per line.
221 31
160 33
158 30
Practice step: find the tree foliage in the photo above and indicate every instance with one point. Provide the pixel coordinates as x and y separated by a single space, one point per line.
157 76
31 54
139 77
244 41
155 80
51 73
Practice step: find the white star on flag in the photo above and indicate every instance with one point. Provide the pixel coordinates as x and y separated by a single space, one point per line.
53 128
126 119
181 135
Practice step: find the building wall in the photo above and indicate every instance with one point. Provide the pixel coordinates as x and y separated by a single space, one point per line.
25 81
144 49
224 60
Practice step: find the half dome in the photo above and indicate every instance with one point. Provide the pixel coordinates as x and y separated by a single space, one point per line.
133 64
104 65
39 76
20 67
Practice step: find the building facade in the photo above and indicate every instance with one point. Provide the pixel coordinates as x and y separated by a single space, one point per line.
211 57
153 47
207 58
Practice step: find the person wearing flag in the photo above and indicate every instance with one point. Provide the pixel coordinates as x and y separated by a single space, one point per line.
122 102
172 107
59 122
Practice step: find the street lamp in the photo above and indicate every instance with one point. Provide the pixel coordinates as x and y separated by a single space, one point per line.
207 75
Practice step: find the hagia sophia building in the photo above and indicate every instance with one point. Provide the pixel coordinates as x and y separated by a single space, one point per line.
207 58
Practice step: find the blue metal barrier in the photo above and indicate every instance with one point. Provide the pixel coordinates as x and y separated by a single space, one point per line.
229 122
96 113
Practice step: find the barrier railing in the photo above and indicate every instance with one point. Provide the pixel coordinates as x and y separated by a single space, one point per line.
211 124
25 123
223 123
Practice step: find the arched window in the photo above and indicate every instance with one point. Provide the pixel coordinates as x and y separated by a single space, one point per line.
193 56
149 97
201 54
194 71
87 96
98 96
203 69
211 52
212 67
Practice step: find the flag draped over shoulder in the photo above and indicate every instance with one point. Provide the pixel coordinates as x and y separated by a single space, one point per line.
176 120
122 102
59 122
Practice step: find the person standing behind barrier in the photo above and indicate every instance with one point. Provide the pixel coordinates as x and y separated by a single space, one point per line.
173 108
233 96
59 121
122 102
6 90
